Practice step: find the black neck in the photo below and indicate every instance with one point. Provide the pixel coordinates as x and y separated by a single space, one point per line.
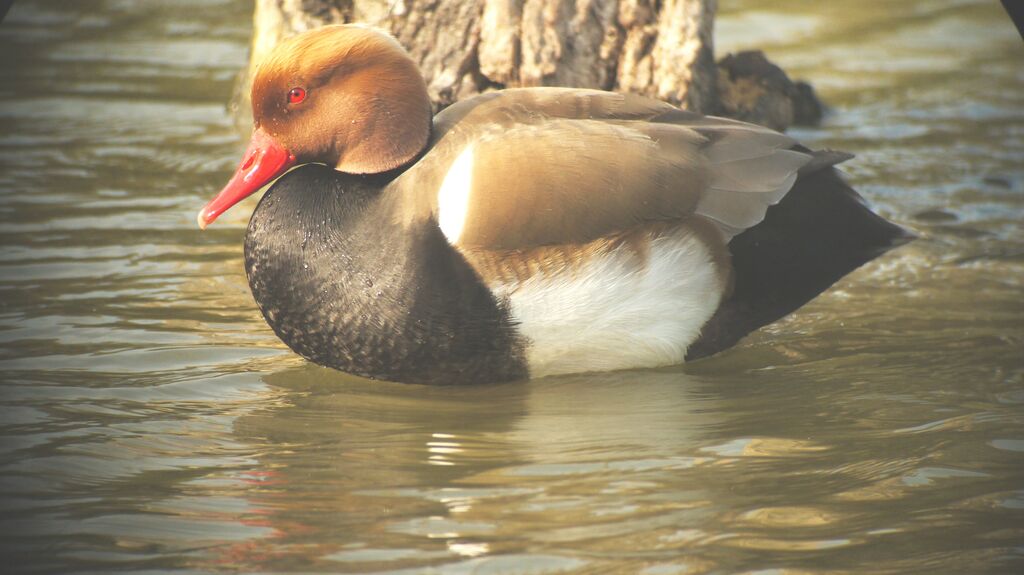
346 285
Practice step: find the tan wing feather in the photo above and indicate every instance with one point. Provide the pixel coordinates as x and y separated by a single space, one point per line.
572 181
555 166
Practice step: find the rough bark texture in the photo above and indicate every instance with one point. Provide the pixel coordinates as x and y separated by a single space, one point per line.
661 48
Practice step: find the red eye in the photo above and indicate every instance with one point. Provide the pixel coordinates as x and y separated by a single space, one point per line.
296 95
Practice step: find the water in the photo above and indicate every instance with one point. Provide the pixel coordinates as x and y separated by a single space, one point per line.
152 423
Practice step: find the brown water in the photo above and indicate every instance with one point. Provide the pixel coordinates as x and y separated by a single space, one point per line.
151 423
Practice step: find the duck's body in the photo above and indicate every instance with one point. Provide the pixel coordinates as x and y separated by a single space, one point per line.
539 231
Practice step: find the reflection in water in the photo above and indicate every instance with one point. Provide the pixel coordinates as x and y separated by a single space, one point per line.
149 421
418 476
669 467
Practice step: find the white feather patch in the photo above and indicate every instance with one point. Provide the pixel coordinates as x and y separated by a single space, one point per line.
615 312
453 196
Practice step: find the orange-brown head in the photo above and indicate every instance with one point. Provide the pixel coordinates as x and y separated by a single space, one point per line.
346 96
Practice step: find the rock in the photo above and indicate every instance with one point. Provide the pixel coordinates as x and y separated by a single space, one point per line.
753 89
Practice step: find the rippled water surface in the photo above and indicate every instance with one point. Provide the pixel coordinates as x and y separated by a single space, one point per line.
151 422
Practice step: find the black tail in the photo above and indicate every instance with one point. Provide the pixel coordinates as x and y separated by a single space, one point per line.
821 231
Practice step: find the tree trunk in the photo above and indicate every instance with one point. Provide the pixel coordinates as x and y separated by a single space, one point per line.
661 48
464 47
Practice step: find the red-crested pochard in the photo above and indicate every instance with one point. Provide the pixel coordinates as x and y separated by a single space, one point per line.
525 232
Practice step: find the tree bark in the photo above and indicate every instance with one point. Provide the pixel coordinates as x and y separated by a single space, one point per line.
661 48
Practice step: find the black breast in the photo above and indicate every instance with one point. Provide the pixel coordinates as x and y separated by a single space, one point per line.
346 285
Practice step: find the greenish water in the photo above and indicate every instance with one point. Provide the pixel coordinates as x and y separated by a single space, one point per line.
151 423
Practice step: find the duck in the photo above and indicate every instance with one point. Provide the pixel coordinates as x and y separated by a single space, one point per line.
525 232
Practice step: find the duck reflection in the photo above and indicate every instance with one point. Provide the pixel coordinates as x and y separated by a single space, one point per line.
370 475
720 467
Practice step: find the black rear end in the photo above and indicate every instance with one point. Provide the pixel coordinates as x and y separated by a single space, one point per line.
821 231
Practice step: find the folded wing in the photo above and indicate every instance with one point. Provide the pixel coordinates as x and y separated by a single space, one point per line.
551 166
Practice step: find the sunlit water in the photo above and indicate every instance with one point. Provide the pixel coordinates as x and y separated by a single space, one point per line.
152 423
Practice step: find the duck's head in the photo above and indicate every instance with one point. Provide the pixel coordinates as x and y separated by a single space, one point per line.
346 96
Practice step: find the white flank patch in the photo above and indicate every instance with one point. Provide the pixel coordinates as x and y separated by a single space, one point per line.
453 196
613 313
